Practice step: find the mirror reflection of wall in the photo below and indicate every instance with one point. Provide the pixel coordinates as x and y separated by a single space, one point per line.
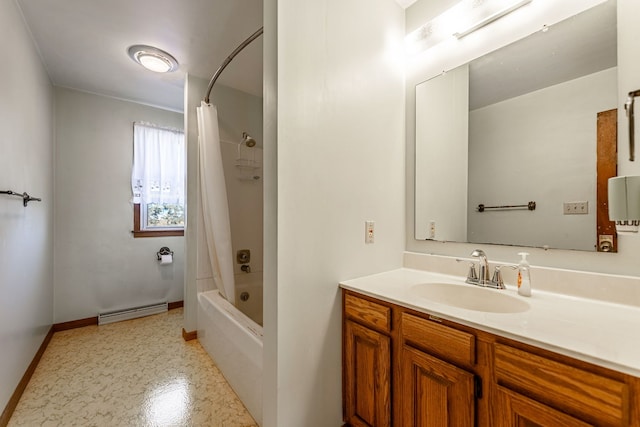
532 119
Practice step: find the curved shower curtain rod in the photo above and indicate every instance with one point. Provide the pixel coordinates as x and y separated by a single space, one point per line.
226 62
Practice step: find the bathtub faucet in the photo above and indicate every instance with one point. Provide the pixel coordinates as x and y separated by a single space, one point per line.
246 268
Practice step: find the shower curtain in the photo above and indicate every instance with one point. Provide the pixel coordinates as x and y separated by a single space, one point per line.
215 206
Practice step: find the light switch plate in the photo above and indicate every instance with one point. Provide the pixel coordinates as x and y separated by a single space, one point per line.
369 231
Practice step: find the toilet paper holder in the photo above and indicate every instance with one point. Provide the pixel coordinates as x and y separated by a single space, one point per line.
164 251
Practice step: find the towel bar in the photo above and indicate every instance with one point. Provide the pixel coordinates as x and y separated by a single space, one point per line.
25 197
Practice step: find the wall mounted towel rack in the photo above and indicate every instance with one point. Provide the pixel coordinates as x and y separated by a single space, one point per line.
628 106
531 206
25 197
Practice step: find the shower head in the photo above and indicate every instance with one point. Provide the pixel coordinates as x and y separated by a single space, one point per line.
248 140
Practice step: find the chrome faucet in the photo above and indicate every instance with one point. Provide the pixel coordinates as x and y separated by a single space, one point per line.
483 267
481 278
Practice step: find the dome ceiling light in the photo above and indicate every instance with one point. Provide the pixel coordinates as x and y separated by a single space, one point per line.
152 58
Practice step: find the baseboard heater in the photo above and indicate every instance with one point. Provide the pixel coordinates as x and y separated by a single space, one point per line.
131 313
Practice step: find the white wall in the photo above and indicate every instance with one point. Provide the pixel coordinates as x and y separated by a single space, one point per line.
99 266
502 32
238 112
540 147
340 161
26 234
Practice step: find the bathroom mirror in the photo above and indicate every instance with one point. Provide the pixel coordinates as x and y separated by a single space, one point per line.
515 126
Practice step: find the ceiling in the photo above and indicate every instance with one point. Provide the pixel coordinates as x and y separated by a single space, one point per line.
83 44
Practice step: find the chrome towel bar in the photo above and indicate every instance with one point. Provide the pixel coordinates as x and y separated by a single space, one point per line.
531 206
628 106
25 197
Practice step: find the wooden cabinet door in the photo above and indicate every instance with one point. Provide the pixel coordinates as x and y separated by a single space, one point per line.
435 393
367 377
515 410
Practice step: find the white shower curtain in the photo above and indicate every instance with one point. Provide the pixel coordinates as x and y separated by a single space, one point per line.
215 206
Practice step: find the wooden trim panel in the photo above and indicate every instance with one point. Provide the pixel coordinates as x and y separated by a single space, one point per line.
188 336
73 324
22 385
175 304
606 167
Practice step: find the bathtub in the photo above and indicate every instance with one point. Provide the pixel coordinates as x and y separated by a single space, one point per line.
234 342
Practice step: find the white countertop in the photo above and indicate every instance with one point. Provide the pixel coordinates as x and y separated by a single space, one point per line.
602 333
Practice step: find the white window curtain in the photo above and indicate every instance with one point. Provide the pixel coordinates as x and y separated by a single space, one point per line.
158 165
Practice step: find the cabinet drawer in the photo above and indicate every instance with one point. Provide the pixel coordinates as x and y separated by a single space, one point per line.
592 397
520 410
443 341
368 313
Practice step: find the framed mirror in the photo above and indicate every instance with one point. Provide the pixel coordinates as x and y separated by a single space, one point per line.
515 126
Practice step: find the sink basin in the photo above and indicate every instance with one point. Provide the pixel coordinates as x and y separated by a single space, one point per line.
470 297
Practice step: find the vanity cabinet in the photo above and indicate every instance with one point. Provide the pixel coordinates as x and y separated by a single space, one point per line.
366 363
407 368
535 387
434 390
436 372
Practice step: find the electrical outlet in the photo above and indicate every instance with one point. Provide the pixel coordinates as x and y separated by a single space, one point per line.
369 231
575 208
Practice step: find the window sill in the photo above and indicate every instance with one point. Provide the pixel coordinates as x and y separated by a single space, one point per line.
157 233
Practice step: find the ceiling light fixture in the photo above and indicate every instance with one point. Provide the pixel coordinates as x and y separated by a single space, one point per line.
152 58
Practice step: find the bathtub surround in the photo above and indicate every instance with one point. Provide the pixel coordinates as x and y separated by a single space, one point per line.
26 234
250 285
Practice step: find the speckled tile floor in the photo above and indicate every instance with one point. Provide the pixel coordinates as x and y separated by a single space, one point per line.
134 373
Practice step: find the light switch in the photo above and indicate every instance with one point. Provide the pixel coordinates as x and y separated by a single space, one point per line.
369 231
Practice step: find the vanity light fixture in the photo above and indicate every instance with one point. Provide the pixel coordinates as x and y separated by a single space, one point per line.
467 15
152 58
486 14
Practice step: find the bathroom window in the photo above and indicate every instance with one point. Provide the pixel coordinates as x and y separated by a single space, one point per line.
157 181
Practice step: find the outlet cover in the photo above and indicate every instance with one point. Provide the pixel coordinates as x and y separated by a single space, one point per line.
575 208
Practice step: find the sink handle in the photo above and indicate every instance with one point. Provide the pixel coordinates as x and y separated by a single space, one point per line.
472 276
496 280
